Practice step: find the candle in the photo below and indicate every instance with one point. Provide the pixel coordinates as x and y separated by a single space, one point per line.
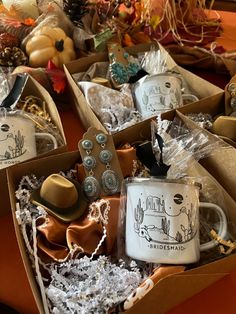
27 6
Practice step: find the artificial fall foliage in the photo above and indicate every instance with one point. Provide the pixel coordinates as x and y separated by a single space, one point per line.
167 21
75 10
15 22
57 77
15 17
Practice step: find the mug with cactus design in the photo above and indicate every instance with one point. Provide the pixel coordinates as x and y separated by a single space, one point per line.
18 139
162 221
159 93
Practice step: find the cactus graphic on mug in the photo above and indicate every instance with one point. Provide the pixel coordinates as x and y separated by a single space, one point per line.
18 138
155 206
16 148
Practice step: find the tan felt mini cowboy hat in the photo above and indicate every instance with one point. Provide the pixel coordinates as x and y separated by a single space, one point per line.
60 197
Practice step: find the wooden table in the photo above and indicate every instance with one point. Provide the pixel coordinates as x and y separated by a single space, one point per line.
226 5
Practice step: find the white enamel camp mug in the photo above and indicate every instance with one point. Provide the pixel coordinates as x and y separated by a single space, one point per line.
162 221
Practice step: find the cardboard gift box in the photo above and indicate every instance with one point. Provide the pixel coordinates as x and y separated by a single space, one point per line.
169 291
33 88
205 90
221 165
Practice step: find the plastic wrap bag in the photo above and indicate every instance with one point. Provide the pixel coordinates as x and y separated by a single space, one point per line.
6 82
52 16
15 21
157 61
162 88
182 145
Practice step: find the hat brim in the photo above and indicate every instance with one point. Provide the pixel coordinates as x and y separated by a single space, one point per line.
65 214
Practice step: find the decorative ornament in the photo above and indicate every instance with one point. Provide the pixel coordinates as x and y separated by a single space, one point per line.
35 106
28 8
12 57
57 77
225 246
50 43
99 210
184 22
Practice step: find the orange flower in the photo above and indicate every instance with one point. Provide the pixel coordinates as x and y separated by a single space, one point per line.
29 21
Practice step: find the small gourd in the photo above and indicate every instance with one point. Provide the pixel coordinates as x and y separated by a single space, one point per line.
50 44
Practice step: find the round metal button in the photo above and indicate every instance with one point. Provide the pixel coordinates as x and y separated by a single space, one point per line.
89 162
101 138
105 156
87 144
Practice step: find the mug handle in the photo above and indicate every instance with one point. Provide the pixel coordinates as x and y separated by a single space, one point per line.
222 232
191 97
50 136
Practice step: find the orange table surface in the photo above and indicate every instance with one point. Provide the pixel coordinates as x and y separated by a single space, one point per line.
219 298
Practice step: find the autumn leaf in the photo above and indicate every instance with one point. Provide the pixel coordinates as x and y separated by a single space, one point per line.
59 86
127 40
15 16
155 20
57 77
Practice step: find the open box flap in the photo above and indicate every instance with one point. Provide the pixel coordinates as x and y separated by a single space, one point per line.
173 290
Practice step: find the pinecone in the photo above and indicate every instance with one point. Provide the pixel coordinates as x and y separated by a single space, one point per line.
8 40
12 57
75 10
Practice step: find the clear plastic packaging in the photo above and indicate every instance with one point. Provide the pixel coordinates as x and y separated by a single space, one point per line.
183 145
6 82
157 61
154 61
52 16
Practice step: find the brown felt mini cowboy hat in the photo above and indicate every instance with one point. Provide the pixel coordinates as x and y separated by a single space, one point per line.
60 197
